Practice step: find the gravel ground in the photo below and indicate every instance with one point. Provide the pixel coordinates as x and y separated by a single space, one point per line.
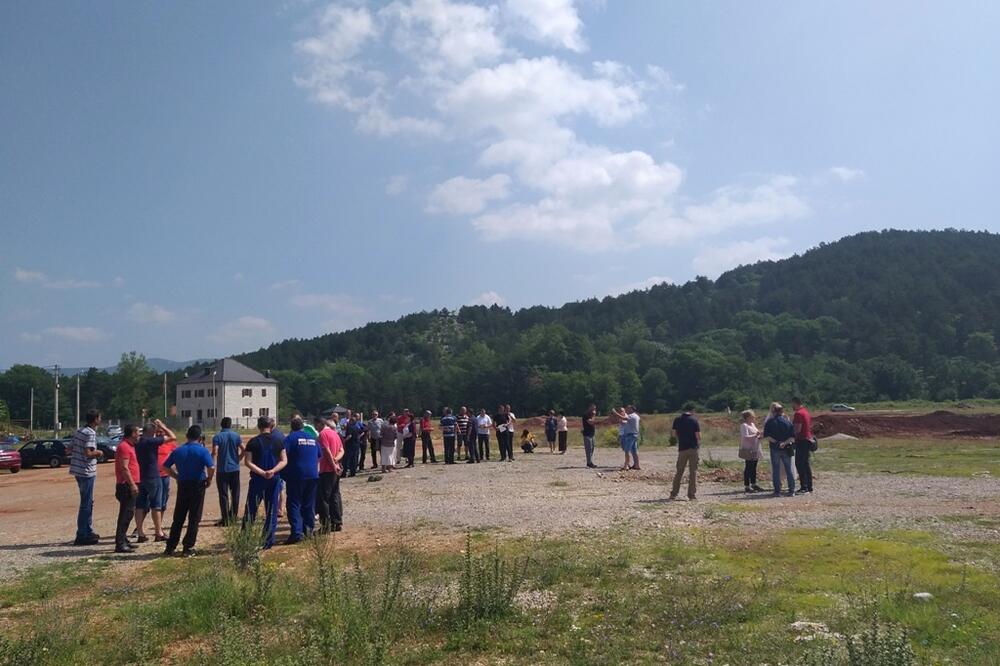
537 495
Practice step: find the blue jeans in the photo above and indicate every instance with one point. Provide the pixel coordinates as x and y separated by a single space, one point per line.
781 459
267 490
85 517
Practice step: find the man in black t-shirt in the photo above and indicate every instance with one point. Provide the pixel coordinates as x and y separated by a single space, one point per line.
589 432
265 457
687 430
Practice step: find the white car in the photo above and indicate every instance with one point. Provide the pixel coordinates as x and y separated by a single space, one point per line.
114 430
841 407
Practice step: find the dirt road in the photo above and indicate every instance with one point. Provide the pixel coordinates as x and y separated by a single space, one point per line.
539 494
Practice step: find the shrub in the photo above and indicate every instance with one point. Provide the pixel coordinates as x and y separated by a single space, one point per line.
489 584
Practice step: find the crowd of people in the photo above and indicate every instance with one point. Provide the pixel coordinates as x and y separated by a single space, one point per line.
298 475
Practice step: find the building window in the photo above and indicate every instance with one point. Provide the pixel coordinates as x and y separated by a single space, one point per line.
263 393
185 413
198 417
263 411
185 394
247 393
211 413
247 411
211 393
199 393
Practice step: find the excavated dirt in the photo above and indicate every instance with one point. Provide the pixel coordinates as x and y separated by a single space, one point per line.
936 424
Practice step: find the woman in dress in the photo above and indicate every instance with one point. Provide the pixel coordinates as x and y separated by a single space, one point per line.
750 451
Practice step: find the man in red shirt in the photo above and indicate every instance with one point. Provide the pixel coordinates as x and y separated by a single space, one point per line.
328 502
802 422
126 486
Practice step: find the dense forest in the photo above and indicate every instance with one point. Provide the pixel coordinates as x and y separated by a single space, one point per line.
879 315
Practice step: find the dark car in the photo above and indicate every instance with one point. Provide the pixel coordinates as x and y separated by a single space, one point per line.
10 458
47 452
107 446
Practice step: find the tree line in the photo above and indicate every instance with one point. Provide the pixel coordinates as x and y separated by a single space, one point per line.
889 315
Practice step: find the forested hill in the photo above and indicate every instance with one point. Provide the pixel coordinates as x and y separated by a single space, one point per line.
879 315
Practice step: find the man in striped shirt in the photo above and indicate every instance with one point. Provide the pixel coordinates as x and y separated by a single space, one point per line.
83 465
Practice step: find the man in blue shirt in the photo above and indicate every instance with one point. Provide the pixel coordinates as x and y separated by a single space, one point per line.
150 497
265 458
227 449
449 432
192 467
301 476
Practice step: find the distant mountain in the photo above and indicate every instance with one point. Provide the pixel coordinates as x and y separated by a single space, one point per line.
157 364
877 315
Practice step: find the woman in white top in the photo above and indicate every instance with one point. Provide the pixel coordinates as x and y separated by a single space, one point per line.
563 432
750 451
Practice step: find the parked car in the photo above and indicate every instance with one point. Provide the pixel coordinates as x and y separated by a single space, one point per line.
108 447
10 458
114 430
841 407
47 452
10 440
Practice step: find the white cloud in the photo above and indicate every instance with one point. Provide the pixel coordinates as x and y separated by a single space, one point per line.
439 34
151 313
76 333
551 21
846 174
119 281
489 298
37 277
715 260
467 196
641 285
397 185
28 336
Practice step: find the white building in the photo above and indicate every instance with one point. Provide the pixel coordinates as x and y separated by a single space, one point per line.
226 388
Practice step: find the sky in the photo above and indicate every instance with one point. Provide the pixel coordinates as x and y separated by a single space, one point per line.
192 180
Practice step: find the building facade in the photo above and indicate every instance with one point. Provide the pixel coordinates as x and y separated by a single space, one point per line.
226 388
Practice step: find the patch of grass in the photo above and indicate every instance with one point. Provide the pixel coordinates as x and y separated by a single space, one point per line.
50 581
559 484
930 457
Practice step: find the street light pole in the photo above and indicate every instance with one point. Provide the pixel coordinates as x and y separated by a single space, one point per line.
78 401
215 402
31 410
55 422
164 396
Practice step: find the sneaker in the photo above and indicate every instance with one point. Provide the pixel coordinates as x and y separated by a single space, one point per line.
189 552
790 494
776 493
124 549
168 552
673 498
757 488
86 541
591 465
292 540
747 489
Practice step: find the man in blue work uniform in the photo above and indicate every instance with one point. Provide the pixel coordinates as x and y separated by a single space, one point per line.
227 449
265 458
301 476
192 467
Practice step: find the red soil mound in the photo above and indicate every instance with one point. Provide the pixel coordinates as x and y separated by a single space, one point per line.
935 424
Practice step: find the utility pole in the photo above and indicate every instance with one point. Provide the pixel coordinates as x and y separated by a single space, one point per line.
164 397
31 410
55 422
78 401
215 402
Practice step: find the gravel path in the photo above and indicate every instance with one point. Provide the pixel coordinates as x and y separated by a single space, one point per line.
538 494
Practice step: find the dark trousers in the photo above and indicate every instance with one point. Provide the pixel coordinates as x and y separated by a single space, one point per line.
802 465
562 440
449 449
328 503
126 511
427 446
189 505
228 484
410 450
470 446
268 491
484 447
351 453
507 445
374 449
749 472
300 498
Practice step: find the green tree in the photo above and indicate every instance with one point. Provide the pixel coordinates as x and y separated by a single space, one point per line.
131 386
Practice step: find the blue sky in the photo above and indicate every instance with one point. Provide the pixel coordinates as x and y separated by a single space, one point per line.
197 179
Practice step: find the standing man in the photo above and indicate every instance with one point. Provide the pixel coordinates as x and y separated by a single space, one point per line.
83 465
483 425
352 446
500 421
589 429
227 449
551 426
192 466
328 502
126 487
375 424
470 441
426 439
150 487
687 430
629 434
301 478
449 428
802 422
463 432
265 457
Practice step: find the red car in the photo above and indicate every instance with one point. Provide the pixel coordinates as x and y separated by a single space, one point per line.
10 458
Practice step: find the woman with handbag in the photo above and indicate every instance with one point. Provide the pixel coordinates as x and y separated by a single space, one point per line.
750 451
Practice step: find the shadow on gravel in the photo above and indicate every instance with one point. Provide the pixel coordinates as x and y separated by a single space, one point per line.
30 546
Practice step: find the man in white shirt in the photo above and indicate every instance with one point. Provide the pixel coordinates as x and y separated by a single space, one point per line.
483 425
